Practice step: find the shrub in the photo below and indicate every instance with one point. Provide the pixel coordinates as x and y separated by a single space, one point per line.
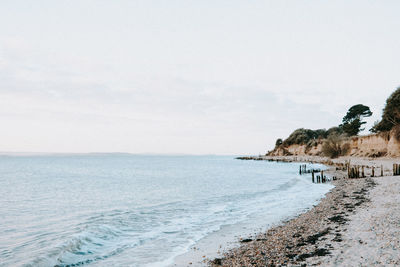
334 131
304 136
396 132
335 146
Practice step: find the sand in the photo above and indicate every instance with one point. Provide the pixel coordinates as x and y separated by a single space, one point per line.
356 224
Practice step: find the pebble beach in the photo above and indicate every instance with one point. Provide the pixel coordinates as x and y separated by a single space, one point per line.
356 224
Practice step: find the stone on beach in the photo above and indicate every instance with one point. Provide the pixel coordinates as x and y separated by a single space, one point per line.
356 224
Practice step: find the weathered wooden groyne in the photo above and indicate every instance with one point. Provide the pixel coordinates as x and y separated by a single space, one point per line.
302 168
349 171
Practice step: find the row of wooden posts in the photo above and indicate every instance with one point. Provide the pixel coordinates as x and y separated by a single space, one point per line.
315 178
319 178
358 171
396 169
352 172
303 169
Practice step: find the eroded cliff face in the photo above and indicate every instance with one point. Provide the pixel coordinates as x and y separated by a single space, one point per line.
374 145
297 150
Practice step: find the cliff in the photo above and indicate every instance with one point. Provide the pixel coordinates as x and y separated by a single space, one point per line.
374 145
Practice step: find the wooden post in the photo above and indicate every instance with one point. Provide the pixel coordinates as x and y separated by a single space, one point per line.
300 170
312 175
381 170
348 171
363 173
373 171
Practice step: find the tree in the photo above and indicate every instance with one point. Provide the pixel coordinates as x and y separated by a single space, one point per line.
391 113
353 120
278 142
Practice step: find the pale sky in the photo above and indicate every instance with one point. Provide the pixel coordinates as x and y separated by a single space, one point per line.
196 77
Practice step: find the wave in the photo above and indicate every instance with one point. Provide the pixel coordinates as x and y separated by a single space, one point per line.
152 233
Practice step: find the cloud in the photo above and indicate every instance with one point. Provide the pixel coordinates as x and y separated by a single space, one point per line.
187 78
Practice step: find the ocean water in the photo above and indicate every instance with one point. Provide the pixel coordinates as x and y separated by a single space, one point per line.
131 210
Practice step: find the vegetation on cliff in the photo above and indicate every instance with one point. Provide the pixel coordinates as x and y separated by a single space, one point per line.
335 146
335 141
303 136
391 114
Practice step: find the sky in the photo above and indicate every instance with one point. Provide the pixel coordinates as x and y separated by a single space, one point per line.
192 77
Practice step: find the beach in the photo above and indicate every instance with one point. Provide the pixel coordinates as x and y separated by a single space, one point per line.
140 210
356 224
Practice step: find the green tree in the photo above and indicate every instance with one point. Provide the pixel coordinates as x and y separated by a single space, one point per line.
278 142
352 122
391 114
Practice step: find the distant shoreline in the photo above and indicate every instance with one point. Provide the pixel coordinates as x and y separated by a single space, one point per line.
318 236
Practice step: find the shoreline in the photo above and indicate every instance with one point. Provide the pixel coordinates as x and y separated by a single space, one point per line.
232 235
316 236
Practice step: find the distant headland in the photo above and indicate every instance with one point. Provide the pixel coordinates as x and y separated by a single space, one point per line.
343 140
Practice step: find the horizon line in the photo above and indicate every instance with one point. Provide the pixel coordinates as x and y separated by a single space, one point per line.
22 153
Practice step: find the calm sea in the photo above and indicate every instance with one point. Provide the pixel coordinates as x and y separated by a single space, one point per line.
131 210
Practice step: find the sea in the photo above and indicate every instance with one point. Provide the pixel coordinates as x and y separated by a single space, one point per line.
139 210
